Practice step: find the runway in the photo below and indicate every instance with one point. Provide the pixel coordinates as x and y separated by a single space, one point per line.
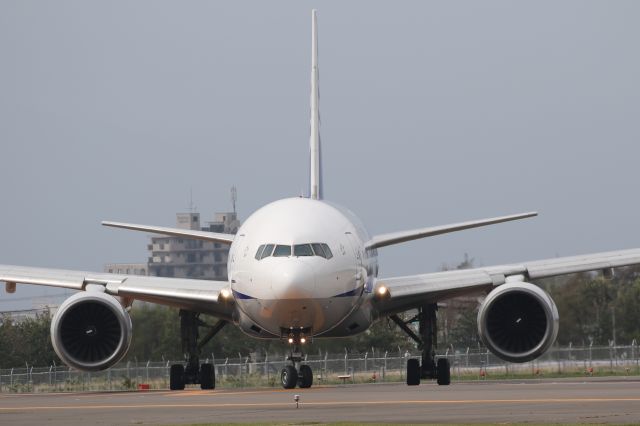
590 400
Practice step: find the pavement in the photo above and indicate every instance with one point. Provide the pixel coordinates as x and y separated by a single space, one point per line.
589 400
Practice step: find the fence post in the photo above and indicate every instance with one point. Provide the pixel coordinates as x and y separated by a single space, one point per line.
384 369
147 370
366 355
346 355
326 357
611 355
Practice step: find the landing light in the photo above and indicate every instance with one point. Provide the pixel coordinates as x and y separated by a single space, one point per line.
382 290
303 340
290 339
225 293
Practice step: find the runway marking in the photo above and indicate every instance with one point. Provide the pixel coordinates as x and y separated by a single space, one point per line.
224 392
327 403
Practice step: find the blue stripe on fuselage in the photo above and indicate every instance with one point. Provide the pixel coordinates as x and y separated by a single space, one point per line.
239 295
354 292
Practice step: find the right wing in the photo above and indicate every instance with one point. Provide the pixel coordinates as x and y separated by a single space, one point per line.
195 295
176 232
411 291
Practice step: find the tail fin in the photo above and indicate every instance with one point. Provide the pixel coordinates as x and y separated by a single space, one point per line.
315 177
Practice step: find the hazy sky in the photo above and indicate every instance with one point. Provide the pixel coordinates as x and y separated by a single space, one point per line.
432 112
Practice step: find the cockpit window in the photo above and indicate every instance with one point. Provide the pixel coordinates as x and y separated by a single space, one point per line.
282 251
302 250
319 251
313 249
327 251
268 249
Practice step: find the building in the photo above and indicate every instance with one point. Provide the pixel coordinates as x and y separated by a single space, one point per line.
188 258
126 268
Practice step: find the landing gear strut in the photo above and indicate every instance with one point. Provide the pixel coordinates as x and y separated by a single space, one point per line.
427 342
296 373
194 372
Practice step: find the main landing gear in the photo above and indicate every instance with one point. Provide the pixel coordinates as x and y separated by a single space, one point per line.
427 342
296 374
194 372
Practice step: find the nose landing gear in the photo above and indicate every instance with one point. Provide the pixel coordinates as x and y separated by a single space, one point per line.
296 374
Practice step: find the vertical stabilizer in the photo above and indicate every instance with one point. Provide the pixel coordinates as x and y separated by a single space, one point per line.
315 181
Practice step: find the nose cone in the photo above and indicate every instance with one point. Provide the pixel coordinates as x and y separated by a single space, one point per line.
293 279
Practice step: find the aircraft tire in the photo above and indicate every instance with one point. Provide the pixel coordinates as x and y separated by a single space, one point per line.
289 377
306 377
413 372
207 377
176 377
444 372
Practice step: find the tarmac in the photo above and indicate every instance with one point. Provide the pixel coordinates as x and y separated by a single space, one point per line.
589 400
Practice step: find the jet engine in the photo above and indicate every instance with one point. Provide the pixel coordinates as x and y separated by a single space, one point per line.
518 321
91 331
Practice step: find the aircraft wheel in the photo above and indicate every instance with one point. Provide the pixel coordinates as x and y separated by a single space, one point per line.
444 371
413 372
207 376
306 377
176 377
289 377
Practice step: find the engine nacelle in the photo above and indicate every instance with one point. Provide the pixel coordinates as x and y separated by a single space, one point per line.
91 331
518 321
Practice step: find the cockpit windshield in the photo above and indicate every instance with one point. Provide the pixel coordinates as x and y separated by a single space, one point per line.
310 249
282 251
302 250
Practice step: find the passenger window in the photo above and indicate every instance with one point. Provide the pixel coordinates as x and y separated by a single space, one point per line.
327 251
319 251
268 249
282 251
302 250
259 252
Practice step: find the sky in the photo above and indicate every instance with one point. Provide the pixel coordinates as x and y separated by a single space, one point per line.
432 112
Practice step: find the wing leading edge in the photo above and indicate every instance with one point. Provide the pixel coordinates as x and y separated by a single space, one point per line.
176 232
384 240
196 295
410 291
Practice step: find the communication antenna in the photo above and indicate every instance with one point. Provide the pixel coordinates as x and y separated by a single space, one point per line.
234 197
192 208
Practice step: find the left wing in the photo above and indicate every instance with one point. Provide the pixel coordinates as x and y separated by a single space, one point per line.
411 291
196 295
384 240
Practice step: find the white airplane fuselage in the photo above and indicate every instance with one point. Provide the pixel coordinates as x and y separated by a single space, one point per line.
321 295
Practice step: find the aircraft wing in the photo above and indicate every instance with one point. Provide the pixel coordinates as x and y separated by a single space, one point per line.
411 291
384 240
176 232
196 295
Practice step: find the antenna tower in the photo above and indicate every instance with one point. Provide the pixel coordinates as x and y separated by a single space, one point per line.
234 197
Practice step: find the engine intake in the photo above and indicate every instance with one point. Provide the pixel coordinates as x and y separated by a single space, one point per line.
518 322
91 331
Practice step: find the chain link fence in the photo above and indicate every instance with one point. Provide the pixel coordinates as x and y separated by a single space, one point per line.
373 366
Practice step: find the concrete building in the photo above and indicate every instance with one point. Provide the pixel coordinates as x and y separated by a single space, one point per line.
126 268
186 258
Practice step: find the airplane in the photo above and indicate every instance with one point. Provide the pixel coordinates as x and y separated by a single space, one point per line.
304 268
